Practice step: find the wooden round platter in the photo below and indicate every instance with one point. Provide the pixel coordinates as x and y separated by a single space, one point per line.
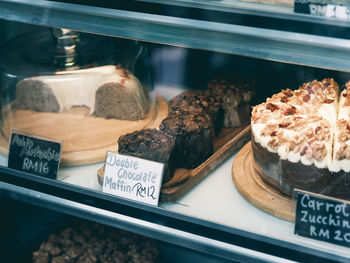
86 139
247 179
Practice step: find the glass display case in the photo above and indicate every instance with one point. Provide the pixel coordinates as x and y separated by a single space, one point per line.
180 78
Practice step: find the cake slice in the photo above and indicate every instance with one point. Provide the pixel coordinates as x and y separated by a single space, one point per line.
293 134
341 154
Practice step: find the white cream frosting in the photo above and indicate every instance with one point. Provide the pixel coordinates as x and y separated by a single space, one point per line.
78 87
343 113
327 111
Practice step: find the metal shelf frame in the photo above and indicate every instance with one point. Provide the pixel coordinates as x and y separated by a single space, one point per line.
274 45
156 222
251 8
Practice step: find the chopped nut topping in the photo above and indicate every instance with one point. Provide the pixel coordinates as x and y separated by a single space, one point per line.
318 128
343 152
328 101
284 125
344 130
269 128
306 98
271 107
303 152
288 93
276 141
297 112
309 89
284 99
290 111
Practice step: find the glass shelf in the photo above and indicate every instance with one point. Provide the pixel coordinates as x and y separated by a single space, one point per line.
224 224
233 228
324 51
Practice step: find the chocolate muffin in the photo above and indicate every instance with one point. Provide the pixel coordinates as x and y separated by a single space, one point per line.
234 95
194 137
93 243
150 144
199 102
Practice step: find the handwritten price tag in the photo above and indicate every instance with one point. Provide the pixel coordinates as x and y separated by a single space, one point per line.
323 218
35 154
133 178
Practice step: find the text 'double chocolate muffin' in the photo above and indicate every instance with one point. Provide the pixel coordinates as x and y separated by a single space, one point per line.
194 137
199 101
150 144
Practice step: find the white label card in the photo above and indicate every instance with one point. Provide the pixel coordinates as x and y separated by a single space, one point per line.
133 178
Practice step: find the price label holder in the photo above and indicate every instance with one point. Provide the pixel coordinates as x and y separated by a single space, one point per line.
322 218
133 178
339 9
35 154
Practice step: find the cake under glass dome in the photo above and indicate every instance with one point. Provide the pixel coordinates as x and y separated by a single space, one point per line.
81 88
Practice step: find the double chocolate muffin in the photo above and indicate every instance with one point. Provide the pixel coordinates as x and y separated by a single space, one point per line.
199 102
235 95
194 137
150 144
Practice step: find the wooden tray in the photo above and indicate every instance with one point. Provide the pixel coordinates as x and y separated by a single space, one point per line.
229 141
246 175
86 139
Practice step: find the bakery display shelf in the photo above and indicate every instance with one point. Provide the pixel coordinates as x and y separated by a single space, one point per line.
81 143
183 180
213 217
269 44
149 221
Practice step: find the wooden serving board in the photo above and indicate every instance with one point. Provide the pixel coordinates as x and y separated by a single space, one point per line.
246 175
86 139
183 180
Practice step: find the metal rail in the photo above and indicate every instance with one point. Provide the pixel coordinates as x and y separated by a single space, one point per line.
296 48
